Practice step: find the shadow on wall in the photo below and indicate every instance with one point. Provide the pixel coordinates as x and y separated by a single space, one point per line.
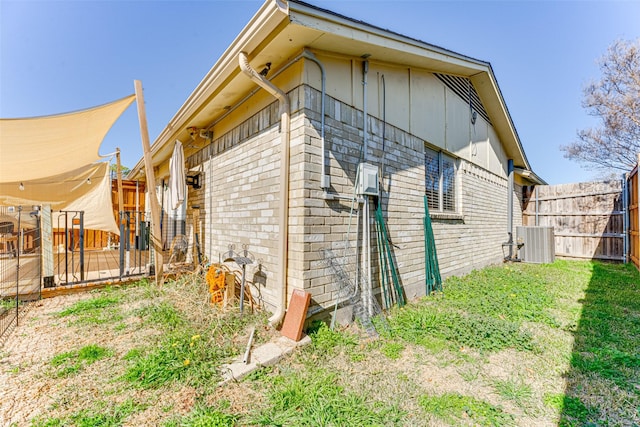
603 381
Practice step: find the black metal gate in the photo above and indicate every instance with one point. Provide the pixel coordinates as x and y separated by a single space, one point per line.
115 258
70 260
20 262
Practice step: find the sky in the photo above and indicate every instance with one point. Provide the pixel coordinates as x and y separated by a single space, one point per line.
62 56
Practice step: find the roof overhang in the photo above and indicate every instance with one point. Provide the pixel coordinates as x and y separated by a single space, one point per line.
529 177
280 30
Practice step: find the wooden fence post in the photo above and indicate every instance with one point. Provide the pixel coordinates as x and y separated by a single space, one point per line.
156 237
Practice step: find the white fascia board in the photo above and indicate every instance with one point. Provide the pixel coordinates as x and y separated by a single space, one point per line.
439 60
328 22
475 69
502 118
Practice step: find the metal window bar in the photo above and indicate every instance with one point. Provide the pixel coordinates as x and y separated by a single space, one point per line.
448 184
432 178
440 181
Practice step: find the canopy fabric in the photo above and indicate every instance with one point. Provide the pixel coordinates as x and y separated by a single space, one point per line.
177 184
57 191
27 220
85 189
96 204
40 147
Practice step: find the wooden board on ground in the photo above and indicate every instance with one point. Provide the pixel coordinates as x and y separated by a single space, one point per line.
296 315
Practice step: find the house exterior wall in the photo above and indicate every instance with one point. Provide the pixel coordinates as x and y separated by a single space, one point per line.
240 171
469 240
417 102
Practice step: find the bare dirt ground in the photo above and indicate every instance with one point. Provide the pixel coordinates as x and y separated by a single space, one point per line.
25 356
28 384
530 388
30 390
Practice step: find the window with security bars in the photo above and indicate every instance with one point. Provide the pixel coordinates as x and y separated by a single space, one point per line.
440 181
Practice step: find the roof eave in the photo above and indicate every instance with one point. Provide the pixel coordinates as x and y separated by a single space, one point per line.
489 91
275 15
530 176
269 16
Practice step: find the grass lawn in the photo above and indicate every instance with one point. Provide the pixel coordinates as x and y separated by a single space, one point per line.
510 345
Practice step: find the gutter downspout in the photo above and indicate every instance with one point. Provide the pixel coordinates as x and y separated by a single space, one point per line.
283 224
510 207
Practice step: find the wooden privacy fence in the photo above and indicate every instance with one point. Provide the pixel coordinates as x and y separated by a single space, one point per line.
633 192
133 197
588 218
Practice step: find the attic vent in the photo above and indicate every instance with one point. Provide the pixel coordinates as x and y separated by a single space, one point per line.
465 90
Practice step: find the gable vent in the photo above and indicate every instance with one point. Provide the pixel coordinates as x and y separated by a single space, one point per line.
465 90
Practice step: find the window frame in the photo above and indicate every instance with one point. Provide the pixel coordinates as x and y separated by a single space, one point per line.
441 202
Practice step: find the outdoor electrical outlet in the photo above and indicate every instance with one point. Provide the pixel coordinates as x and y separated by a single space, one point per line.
326 182
368 180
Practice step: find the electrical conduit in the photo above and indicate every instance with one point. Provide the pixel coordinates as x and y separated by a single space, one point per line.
366 230
325 181
285 124
510 207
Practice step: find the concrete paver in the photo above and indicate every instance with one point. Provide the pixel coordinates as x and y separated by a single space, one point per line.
264 355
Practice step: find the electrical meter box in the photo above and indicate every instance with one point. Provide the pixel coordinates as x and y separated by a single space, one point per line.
368 180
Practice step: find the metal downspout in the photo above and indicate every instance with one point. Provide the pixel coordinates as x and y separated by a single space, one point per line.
510 207
285 124
537 221
365 72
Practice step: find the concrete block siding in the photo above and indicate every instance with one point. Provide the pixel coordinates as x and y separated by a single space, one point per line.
239 201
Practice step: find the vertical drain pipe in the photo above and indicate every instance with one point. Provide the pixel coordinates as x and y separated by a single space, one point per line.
537 221
510 207
283 224
365 72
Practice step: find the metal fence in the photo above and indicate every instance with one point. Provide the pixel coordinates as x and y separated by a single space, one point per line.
68 256
20 261
116 258
9 312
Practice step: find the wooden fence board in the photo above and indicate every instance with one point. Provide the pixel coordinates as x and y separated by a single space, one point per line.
587 217
97 239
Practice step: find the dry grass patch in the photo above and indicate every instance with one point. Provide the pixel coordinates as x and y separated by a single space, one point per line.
522 345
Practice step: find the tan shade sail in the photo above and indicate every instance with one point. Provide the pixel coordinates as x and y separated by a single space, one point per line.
39 147
57 191
96 205
86 189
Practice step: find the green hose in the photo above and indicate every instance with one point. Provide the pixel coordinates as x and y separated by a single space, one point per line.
387 259
433 280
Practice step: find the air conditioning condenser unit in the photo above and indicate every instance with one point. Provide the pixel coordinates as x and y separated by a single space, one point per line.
539 244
